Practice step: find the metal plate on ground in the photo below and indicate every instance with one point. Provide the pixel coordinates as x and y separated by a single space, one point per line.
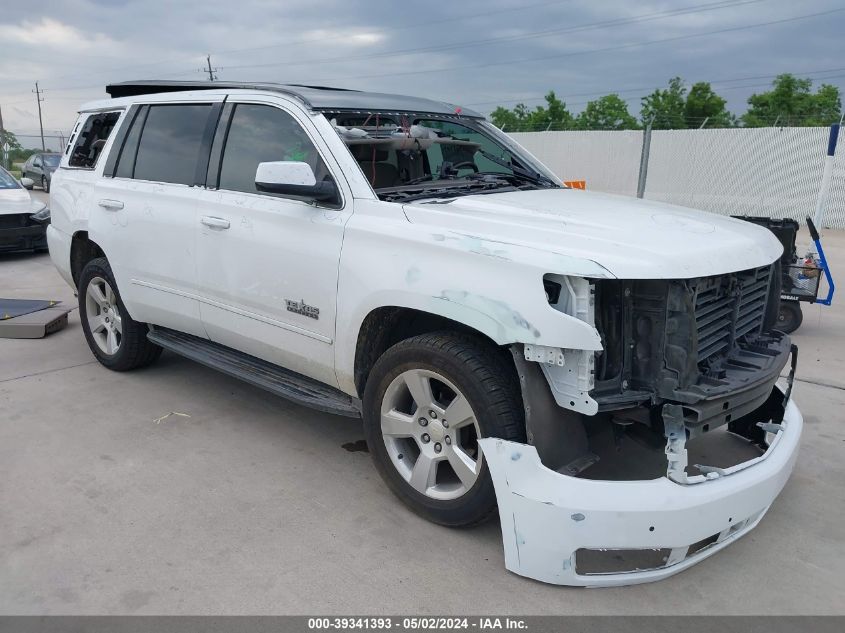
35 324
11 308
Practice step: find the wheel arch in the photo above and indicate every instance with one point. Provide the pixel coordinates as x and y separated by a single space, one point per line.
385 326
82 250
360 332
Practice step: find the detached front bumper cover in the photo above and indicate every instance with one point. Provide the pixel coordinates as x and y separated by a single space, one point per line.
570 531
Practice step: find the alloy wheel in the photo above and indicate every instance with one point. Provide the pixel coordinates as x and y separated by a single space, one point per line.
431 434
103 315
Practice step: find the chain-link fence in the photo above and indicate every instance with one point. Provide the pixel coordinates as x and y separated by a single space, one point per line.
52 142
775 172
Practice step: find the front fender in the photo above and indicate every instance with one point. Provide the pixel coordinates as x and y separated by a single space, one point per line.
493 293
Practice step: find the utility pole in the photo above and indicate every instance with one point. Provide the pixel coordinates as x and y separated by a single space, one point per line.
210 70
827 174
641 180
39 99
3 140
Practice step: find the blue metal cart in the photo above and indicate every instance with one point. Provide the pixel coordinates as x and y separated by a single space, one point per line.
801 277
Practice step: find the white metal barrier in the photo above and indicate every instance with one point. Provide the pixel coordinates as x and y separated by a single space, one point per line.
776 172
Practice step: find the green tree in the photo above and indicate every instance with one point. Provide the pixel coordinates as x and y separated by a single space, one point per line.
665 108
12 140
827 106
703 106
607 113
509 120
554 116
14 147
792 102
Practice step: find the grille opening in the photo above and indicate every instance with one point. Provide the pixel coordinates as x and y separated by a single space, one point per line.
589 562
16 220
702 544
664 336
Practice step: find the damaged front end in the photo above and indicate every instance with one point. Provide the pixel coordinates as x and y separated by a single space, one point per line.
661 449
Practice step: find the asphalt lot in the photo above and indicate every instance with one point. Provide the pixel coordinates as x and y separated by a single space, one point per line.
253 505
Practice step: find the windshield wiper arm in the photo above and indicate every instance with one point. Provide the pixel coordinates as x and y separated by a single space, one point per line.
535 177
441 192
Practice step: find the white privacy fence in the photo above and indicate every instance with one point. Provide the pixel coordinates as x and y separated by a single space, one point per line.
774 172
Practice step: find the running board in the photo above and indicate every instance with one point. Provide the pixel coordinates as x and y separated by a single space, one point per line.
257 372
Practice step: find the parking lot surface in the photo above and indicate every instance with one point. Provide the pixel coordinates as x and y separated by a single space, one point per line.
250 504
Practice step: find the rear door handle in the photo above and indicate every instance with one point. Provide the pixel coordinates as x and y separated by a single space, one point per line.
111 205
215 223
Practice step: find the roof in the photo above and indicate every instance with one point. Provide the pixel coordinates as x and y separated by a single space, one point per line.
315 97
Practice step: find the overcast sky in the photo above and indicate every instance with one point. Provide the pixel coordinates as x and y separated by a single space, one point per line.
478 53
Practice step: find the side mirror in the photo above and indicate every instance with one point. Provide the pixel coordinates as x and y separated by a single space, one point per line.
27 182
293 178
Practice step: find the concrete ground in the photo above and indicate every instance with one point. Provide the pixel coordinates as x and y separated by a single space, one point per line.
255 505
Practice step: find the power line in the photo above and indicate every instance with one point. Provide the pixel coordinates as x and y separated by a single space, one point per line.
723 4
574 53
405 73
556 56
288 43
716 82
596 25
100 85
414 25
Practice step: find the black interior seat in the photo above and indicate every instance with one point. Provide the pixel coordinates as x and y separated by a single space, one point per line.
374 164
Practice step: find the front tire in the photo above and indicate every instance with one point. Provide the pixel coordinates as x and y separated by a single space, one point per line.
45 184
117 341
427 402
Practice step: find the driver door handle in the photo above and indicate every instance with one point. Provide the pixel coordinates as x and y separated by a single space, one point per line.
111 205
215 223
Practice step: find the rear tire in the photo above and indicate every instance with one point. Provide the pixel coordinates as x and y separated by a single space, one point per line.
117 341
427 401
790 316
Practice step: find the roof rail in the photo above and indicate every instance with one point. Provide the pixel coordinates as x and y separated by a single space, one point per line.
315 98
151 86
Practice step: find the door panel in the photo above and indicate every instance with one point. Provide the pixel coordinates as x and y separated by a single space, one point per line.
145 219
268 265
151 245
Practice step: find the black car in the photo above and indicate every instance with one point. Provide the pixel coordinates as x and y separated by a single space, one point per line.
40 167
23 221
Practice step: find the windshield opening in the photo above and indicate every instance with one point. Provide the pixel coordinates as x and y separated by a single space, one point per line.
408 156
51 160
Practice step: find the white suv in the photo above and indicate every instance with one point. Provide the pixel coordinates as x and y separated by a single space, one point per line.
574 358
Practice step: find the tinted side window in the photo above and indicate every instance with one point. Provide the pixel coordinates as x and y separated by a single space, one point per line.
170 143
126 160
258 134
